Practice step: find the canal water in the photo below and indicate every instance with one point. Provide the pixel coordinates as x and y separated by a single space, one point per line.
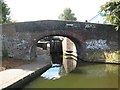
65 74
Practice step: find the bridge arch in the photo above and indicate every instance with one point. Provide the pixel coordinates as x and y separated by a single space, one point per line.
76 38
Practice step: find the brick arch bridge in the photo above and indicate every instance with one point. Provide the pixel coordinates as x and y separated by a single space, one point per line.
19 38
76 38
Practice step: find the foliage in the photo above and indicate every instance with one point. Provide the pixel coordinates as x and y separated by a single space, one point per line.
4 12
112 56
111 12
95 55
108 56
4 53
67 15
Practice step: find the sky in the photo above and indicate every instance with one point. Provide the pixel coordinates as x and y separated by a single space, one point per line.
34 10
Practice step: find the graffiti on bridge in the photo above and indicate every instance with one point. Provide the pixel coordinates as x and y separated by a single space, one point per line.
97 44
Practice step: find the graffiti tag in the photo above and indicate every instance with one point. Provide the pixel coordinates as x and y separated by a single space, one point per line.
97 44
89 26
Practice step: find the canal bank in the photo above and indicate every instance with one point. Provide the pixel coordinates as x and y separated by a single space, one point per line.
14 78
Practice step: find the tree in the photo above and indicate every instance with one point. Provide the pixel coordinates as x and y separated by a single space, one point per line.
111 12
67 15
4 12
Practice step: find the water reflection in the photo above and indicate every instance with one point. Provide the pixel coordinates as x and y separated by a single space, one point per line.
52 73
61 66
84 76
69 63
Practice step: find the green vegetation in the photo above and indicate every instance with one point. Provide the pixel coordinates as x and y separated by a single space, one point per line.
112 56
4 53
95 56
4 12
111 12
67 15
108 56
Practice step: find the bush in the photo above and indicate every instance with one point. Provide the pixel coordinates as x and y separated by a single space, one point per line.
112 56
4 53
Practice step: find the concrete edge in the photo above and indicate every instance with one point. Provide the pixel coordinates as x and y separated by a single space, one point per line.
22 82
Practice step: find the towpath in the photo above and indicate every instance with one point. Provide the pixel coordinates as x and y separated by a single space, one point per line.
11 76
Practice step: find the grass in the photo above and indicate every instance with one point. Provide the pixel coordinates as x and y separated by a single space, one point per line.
108 56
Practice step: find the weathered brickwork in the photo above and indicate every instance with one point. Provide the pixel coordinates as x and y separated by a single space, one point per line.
20 38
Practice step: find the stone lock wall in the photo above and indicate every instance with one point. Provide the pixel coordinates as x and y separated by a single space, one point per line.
92 41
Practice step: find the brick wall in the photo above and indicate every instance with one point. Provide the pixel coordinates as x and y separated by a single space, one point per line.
20 38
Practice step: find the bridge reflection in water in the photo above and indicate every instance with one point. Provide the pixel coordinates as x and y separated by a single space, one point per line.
86 75
61 65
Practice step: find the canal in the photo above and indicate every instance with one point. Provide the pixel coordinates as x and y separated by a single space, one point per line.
65 73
